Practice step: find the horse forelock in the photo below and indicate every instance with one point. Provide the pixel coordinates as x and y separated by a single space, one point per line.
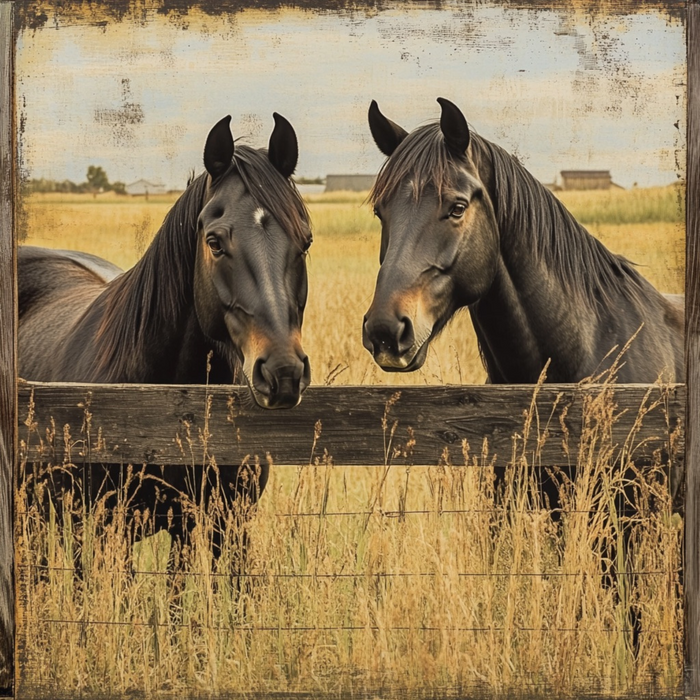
272 192
421 159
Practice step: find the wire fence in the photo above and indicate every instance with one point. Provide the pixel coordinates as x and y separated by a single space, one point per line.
377 574
636 513
352 628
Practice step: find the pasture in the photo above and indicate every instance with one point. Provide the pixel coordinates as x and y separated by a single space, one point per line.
370 580
646 226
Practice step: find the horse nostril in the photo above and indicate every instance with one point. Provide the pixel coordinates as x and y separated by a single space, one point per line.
405 336
281 380
264 380
389 336
367 335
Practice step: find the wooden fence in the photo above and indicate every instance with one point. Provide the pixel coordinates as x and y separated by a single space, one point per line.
150 424
177 426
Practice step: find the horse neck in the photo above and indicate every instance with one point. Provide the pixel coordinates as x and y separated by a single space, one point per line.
536 309
148 322
518 331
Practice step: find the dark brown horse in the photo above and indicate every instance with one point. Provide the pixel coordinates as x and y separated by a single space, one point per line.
464 224
225 274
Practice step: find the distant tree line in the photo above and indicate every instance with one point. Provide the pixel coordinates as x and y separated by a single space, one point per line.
96 181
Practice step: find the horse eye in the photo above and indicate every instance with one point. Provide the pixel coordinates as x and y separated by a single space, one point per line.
307 244
377 214
458 210
214 245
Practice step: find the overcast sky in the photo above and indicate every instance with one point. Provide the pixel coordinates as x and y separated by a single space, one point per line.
561 90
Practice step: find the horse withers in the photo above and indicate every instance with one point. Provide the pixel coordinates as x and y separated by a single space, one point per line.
224 278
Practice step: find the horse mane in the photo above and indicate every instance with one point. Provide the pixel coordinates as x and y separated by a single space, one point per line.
152 293
155 289
523 207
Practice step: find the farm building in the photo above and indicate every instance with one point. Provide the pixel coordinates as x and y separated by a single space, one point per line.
355 183
144 187
587 180
552 186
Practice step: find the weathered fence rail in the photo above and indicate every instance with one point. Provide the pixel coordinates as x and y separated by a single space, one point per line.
170 424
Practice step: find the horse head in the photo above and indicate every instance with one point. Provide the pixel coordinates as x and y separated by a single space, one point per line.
439 243
250 282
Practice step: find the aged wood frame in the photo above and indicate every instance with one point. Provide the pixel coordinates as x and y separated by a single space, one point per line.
692 340
8 324
8 375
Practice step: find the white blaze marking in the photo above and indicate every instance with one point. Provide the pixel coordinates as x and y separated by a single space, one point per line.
258 215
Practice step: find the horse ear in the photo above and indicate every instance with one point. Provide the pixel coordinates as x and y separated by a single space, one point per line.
218 150
454 127
283 150
386 134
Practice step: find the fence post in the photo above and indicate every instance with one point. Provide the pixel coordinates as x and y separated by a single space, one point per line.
692 339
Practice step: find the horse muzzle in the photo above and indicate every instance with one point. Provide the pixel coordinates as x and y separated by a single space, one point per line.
279 382
392 342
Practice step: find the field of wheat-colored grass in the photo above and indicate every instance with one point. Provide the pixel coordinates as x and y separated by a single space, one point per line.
413 580
645 226
391 581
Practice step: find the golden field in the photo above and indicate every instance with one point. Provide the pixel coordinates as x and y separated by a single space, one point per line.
394 581
646 226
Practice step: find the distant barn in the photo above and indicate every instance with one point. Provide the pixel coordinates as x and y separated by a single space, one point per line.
354 183
587 180
144 187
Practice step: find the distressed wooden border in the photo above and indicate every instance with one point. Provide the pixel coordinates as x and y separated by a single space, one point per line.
36 13
28 13
8 335
692 340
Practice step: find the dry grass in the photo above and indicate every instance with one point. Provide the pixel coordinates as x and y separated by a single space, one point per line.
645 205
116 228
344 262
435 579
431 583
